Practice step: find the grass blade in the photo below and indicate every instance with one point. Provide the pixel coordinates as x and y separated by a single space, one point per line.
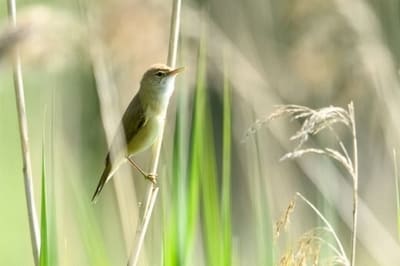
226 170
44 248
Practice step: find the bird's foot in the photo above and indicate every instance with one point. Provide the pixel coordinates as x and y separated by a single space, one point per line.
152 177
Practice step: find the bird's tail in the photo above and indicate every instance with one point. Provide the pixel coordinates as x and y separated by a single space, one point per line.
103 180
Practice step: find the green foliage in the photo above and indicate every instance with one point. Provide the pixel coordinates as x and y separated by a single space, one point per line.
199 193
226 169
44 230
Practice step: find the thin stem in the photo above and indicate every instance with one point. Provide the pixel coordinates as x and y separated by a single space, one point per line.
226 168
355 185
328 225
153 190
23 129
173 37
141 232
396 183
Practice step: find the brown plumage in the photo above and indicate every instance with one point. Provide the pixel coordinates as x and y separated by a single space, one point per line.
142 120
130 128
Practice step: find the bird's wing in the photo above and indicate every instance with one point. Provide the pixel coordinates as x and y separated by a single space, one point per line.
134 118
103 179
132 121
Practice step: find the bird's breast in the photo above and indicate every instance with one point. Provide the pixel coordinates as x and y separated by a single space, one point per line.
146 136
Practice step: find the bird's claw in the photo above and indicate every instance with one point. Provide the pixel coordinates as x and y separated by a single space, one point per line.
152 178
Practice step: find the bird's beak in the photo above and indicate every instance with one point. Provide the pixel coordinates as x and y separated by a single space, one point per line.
176 71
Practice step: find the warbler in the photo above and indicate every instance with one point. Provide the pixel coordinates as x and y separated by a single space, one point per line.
142 121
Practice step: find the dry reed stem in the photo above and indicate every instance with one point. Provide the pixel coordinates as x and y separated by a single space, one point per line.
24 136
396 183
153 190
354 174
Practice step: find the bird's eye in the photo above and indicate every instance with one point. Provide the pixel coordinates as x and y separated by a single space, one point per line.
159 74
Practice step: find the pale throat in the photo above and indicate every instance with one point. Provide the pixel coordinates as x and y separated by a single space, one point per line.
157 99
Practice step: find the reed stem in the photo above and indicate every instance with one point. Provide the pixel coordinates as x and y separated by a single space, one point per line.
153 190
24 137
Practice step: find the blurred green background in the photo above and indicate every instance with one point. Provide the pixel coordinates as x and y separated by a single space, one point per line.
221 192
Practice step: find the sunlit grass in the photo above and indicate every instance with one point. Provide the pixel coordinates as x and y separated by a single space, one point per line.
44 227
226 219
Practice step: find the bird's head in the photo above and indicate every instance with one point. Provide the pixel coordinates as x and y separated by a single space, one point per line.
158 79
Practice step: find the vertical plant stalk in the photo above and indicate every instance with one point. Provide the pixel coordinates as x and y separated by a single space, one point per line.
23 129
226 166
44 233
396 183
153 190
355 185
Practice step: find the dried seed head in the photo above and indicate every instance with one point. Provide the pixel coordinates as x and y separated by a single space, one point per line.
284 220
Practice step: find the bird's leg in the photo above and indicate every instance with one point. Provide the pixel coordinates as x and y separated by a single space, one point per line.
149 176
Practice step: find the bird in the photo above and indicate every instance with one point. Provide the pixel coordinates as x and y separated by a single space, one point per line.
141 122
